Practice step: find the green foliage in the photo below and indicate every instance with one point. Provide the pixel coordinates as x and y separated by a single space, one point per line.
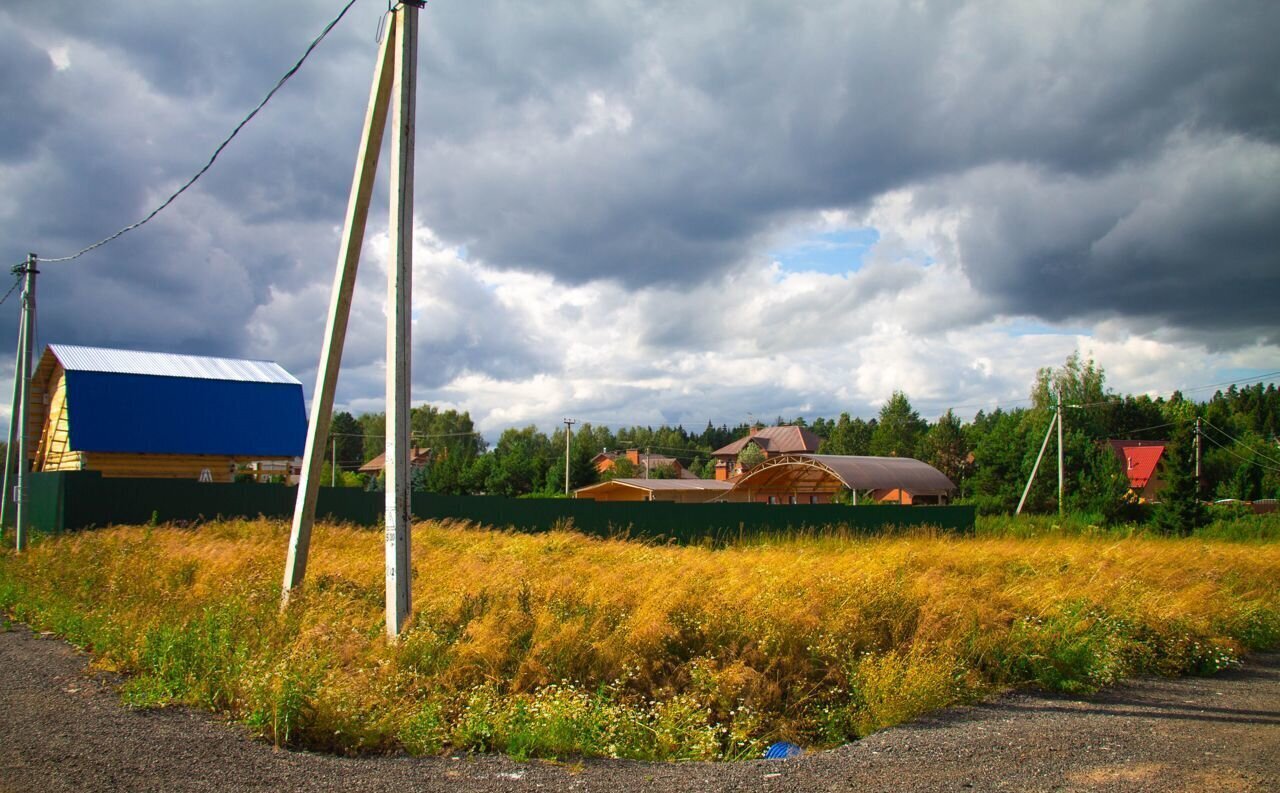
519 462
622 468
1179 510
1098 483
945 447
898 429
750 456
846 435
348 435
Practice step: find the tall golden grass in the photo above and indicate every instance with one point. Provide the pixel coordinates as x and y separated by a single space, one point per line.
559 644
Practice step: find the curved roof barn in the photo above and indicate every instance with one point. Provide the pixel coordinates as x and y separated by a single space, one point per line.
830 472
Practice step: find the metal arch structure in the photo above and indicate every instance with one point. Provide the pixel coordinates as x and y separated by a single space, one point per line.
824 473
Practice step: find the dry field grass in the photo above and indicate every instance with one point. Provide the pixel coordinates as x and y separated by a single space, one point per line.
557 644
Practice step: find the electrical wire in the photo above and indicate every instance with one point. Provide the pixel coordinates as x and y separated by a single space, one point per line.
1234 439
1254 378
279 84
16 283
1233 453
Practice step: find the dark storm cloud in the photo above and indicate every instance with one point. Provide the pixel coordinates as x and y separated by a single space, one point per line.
27 112
741 117
1103 153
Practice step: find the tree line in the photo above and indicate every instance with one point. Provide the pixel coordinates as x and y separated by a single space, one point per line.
989 458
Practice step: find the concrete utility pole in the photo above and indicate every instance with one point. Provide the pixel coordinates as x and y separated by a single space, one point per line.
10 453
400 321
1197 455
333 464
344 284
29 272
568 435
1061 458
1026 490
395 74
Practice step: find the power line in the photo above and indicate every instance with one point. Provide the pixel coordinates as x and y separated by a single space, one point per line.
1158 426
1233 453
16 283
279 84
1237 440
1117 399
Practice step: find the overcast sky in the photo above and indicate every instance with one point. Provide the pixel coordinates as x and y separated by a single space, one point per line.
647 212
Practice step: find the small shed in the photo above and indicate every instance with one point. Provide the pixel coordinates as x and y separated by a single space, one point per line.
129 413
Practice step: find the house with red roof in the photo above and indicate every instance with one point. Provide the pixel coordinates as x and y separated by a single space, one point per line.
773 441
1142 462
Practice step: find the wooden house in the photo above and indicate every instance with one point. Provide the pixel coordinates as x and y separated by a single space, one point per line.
129 413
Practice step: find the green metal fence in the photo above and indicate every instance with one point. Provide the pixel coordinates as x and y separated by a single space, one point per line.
82 499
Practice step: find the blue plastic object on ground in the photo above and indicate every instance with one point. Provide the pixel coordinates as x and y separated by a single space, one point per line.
782 750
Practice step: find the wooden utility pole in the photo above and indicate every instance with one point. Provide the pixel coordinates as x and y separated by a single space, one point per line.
333 462
399 320
396 69
29 272
568 435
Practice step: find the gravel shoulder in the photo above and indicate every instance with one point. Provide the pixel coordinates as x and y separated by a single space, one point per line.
63 728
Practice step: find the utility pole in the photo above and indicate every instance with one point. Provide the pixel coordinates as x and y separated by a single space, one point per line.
1026 490
1197 456
10 453
400 319
394 79
29 272
568 434
333 464
1061 458
648 453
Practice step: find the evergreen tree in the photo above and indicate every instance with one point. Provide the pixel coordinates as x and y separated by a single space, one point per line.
1179 510
898 429
348 436
945 448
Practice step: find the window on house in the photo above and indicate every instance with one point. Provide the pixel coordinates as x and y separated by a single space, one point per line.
773 499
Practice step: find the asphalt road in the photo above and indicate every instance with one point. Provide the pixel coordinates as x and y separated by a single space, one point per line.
62 728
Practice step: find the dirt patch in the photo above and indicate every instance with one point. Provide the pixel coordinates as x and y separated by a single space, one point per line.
62 728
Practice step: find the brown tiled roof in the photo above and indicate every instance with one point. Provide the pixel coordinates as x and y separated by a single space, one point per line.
787 439
417 456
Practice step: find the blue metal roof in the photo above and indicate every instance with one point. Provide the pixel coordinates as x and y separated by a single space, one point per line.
162 414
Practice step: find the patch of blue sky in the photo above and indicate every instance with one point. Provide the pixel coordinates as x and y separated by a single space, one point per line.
1028 327
834 252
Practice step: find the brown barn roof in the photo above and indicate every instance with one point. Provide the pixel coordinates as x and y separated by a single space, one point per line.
788 439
